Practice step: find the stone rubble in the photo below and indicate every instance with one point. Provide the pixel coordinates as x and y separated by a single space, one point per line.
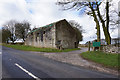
74 58
111 49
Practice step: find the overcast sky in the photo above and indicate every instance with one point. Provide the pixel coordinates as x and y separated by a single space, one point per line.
43 12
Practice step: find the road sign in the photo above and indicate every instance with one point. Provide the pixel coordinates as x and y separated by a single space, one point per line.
96 44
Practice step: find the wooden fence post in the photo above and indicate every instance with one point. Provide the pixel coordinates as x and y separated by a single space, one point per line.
89 46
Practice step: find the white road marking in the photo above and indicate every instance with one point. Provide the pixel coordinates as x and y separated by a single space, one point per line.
29 73
0 52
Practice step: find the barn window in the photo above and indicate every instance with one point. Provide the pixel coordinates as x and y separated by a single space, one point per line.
58 42
37 36
31 33
36 39
42 37
43 32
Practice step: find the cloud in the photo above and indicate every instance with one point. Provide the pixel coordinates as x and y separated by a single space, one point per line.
43 12
13 9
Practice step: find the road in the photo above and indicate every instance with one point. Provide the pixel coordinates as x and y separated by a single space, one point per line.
0 62
24 64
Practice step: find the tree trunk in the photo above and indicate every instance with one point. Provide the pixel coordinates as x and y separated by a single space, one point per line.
24 39
107 23
98 32
107 36
105 28
97 22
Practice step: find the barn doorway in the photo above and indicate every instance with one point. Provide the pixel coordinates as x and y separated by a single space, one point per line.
76 45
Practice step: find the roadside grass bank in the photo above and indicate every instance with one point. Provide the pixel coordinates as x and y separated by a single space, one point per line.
106 59
30 48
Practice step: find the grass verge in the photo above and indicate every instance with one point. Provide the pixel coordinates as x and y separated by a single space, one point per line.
106 59
30 48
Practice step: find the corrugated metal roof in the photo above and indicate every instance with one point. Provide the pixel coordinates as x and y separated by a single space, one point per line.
50 25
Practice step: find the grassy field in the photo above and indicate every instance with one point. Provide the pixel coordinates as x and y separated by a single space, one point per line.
30 48
106 59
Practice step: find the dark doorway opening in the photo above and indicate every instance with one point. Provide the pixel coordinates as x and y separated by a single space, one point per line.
76 45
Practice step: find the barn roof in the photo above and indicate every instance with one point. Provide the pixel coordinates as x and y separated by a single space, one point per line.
49 25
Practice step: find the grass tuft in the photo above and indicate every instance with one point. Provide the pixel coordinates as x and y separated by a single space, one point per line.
106 59
30 48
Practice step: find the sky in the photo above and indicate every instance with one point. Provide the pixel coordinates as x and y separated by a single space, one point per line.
43 12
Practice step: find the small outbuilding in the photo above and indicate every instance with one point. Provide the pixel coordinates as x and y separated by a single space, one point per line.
59 35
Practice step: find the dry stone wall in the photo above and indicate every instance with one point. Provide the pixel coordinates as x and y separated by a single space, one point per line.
111 49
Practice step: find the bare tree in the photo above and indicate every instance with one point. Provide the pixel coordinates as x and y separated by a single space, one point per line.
89 9
6 34
10 25
22 30
105 22
78 29
117 21
92 9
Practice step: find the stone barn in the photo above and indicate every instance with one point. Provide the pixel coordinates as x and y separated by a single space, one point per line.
59 35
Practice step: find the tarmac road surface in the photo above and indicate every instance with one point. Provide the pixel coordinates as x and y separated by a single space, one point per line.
25 64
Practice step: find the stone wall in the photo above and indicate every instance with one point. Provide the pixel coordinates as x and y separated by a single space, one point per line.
44 38
59 35
111 49
65 35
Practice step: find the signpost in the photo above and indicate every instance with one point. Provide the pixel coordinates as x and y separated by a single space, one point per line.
89 46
